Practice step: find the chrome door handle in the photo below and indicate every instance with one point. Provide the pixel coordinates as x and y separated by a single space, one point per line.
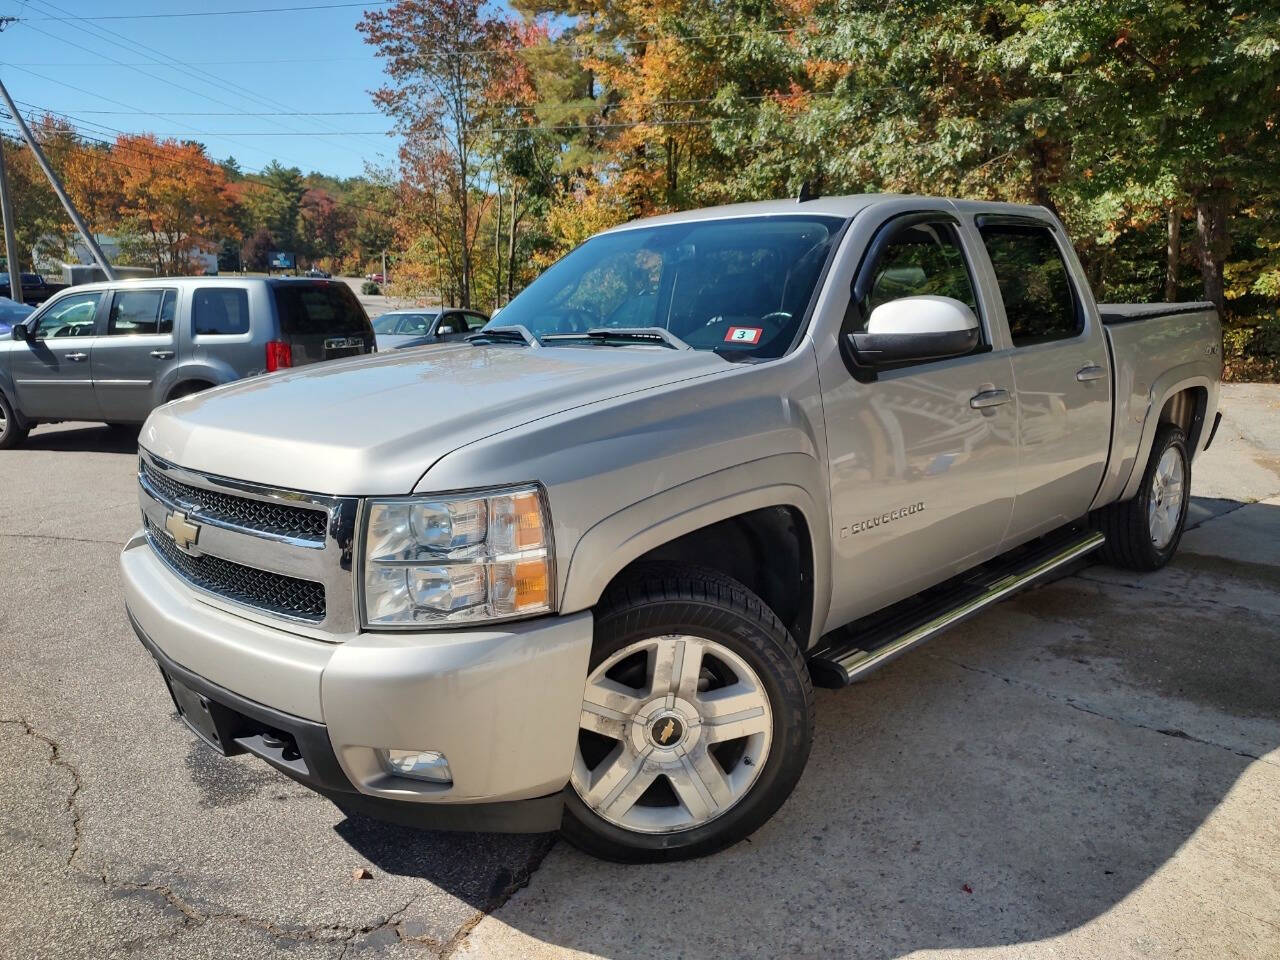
1091 372
989 398
162 354
76 357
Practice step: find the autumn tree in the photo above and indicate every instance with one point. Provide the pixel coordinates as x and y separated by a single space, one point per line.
172 201
255 254
323 225
439 75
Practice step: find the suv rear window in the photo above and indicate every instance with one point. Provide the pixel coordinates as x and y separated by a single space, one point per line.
318 308
220 310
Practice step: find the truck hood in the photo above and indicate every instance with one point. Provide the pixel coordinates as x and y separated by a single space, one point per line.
375 424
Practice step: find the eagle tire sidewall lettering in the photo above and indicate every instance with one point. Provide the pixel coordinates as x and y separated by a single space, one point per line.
871 523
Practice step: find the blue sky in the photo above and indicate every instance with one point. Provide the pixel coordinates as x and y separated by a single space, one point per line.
301 62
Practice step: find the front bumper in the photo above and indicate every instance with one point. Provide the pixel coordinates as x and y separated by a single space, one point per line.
501 703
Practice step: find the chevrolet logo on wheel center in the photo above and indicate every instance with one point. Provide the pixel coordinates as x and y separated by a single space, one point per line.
183 531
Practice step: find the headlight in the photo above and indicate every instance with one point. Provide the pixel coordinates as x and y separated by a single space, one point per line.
463 558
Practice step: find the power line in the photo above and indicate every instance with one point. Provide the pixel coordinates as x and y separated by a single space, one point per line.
216 13
203 76
249 175
198 63
240 113
101 96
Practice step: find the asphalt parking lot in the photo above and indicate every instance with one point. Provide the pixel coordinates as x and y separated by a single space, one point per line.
1089 770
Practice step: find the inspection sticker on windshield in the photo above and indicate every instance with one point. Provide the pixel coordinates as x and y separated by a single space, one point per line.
743 335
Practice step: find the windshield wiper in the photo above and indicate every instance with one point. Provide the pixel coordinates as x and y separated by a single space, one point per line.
655 336
514 333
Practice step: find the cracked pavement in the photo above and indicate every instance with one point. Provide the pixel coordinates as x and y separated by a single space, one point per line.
1089 769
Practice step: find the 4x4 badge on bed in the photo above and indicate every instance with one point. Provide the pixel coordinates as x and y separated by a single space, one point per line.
184 532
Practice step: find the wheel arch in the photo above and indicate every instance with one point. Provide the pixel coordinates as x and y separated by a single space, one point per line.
1183 401
181 387
734 521
11 397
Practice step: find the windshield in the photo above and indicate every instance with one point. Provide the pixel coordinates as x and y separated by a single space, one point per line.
415 324
739 285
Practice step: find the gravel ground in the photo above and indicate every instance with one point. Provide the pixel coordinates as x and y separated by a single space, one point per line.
1090 769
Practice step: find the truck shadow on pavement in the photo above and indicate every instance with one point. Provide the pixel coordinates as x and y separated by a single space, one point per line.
1010 782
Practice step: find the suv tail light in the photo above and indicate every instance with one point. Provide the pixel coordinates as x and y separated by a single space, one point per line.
279 355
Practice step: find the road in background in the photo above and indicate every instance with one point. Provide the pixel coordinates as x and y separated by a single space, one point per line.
1090 769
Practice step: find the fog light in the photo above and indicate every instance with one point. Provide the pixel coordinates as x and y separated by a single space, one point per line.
417 764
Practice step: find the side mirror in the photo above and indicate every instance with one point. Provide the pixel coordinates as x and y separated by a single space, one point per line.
441 331
916 328
20 332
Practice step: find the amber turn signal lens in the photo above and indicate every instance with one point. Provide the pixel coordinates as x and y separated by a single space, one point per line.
528 521
532 589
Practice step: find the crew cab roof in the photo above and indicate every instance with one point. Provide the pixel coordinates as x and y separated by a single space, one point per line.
836 206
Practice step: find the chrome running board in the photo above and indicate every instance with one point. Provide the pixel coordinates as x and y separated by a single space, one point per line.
847 654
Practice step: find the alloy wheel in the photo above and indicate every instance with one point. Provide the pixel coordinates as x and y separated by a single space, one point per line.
1164 506
674 732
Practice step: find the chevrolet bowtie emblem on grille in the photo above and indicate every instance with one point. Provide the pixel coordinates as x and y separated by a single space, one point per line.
184 532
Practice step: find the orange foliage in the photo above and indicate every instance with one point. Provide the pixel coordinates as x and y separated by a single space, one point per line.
172 194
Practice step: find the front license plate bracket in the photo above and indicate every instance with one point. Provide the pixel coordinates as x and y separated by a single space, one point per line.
207 719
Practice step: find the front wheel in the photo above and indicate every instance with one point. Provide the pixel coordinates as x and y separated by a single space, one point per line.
697 719
11 432
1143 533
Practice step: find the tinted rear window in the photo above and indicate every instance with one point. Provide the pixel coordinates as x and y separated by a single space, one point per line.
222 310
318 308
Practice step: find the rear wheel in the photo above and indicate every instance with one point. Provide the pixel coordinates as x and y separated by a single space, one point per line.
1143 533
11 433
696 721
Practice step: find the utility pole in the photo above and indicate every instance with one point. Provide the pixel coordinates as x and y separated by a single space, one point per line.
13 265
92 244
385 280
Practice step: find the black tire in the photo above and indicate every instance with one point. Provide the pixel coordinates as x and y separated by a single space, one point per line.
1127 526
11 434
686 599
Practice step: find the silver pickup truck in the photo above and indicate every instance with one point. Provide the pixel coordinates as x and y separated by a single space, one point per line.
583 570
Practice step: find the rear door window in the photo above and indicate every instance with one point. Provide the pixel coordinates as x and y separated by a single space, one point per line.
136 312
307 309
220 310
1039 299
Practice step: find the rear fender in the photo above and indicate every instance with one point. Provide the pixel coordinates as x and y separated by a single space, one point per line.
1183 377
207 370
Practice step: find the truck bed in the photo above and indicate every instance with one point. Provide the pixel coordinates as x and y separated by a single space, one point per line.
1114 313
1154 347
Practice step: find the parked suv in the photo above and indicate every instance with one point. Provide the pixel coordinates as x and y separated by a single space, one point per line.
114 351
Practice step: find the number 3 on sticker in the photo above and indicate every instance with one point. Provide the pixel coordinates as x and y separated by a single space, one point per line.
743 335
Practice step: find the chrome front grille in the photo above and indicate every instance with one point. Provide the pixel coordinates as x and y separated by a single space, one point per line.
273 555
272 592
301 523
